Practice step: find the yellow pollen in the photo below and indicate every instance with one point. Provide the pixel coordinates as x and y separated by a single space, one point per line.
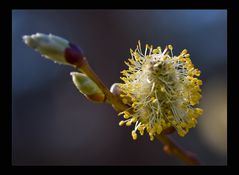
134 135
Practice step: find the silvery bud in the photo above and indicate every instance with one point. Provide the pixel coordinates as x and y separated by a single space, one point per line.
55 48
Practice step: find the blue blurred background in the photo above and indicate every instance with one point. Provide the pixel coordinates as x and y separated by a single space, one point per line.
52 124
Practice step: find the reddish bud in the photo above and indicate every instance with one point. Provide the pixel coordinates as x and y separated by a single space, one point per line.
74 55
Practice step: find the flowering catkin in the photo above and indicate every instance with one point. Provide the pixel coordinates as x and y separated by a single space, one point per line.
161 91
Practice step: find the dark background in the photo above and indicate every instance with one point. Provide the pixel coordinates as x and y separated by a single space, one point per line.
52 124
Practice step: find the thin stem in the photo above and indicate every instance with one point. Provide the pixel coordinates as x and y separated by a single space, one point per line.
110 98
169 146
172 148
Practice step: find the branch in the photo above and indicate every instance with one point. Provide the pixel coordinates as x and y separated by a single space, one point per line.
62 51
110 98
172 148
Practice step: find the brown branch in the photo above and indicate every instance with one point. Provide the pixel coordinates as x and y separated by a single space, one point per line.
110 98
172 148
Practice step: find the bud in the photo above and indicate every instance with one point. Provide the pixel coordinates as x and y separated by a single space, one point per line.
55 48
87 87
115 89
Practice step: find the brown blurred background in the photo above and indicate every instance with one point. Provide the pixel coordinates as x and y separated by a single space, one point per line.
52 124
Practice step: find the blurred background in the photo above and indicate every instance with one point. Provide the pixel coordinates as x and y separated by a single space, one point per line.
53 124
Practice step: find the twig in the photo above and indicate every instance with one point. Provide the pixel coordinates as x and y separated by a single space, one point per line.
172 148
110 98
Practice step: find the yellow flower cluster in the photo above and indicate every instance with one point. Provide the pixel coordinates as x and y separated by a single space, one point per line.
160 90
